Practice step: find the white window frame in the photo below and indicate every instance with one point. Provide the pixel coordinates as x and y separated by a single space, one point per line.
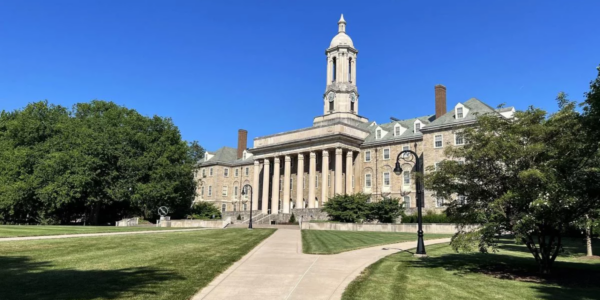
461 135
210 172
441 141
225 172
247 171
224 191
439 202
223 207
436 166
203 172
417 128
459 113
388 183
235 191
210 191
405 176
245 207
368 180
368 156
378 133
406 201
388 153
202 191
405 148
236 172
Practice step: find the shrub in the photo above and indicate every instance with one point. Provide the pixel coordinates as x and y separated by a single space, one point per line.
386 211
239 217
348 208
205 210
293 219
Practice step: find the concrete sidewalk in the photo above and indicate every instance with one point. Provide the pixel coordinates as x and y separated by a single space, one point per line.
66 236
277 269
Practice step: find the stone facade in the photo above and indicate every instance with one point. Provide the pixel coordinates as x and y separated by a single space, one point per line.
342 152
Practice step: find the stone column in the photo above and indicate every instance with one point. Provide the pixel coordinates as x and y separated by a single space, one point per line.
275 193
324 174
255 183
312 170
286 184
265 187
300 182
338 171
349 172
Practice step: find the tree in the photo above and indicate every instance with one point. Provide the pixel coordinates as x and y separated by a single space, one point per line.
386 211
292 219
347 208
520 175
96 163
205 210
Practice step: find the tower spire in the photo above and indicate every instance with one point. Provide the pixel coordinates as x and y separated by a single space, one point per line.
342 24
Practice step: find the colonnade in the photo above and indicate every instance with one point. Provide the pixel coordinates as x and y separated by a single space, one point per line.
264 165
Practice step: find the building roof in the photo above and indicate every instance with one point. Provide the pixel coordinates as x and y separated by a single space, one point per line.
408 134
475 106
226 156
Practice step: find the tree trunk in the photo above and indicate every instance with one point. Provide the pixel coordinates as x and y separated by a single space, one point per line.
588 236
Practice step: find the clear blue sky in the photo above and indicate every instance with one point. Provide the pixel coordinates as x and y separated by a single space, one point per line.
217 66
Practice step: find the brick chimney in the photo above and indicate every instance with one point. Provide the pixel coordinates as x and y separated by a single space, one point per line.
440 100
242 142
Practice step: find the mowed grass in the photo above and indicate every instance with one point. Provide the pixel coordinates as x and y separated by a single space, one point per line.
39 230
172 265
333 241
446 274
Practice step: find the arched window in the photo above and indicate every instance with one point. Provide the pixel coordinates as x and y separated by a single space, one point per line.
334 69
350 69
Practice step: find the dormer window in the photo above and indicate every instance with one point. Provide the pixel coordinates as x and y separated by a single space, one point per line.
378 134
417 126
460 111
397 131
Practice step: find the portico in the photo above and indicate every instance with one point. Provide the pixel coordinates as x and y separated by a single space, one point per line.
314 185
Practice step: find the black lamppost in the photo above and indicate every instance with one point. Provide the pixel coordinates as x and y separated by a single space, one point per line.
244 192
398 171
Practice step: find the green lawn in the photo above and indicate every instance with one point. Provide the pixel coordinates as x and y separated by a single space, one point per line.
333 241
160 266
37 230
449 275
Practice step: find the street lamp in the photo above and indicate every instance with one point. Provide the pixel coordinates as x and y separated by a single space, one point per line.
419 192
244 193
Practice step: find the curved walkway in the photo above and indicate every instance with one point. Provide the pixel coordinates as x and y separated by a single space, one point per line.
66 236
277 269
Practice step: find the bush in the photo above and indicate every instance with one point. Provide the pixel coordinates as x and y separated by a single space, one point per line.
348 208
386 210
239 217
355 208
205 210
429 217
293 219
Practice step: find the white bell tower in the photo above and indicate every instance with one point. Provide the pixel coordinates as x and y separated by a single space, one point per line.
341 95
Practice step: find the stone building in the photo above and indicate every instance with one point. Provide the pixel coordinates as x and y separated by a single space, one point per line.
342 152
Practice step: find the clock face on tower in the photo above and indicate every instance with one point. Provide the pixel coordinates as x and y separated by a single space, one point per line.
331 96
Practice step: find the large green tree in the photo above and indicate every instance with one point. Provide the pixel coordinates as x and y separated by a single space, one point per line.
97 162
529 175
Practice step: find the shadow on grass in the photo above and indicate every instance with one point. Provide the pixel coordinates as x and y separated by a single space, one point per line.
569 280
21 278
